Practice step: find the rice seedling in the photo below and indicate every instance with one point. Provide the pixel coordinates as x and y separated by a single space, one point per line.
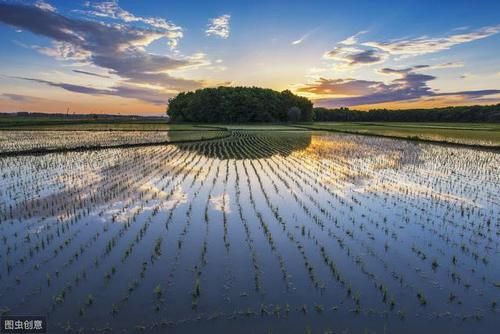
287 221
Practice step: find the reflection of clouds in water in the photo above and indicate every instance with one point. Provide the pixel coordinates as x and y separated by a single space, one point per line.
151 188
353 158
388 152
37 229
399 187
355 164
121 214
221 203
323 148
178 195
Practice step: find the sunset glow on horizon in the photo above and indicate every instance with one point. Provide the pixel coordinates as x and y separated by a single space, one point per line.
129 57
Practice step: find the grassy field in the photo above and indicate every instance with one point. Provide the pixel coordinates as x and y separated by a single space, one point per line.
460 133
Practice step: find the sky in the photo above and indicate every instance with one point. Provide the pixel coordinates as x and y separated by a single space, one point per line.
130 57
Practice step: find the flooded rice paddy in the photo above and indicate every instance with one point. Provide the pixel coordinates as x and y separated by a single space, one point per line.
282 232
35 141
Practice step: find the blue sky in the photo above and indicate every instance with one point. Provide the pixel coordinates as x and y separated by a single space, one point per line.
131 56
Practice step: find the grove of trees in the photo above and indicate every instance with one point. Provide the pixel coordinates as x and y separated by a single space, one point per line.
490 113
239 105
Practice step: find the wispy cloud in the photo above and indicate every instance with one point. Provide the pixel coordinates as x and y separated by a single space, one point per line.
219 26
45 6
424 44
111 9
353 39
300 40
304 37
351 53
18 97
152 96
92 74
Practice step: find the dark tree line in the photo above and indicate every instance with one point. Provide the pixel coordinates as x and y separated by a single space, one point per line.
489 113
238 105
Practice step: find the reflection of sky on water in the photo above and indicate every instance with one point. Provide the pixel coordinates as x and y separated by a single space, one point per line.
351 194
11 141
221 203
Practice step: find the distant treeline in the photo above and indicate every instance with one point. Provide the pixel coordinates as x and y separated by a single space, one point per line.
489 113
239 105
62 116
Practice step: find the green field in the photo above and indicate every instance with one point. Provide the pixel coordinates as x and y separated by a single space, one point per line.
483 134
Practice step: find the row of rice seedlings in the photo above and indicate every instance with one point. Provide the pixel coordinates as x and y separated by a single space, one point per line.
179 176
57 275
267 231
434 265
23 141
248 236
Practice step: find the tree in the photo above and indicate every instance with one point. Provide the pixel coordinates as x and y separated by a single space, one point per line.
294 114
237 105
489 113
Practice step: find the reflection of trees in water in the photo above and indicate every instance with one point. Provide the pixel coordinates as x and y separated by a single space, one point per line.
251 145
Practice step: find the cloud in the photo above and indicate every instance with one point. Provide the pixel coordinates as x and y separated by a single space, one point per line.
219 26
304 37
400 71
424 44
111 9
341 87
152 96
45 6
364 57
64 51
116 47
18 97
350 53
92 74
409 85
349 56
300 40
352 40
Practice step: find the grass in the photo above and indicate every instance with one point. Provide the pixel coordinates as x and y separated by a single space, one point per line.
484 134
